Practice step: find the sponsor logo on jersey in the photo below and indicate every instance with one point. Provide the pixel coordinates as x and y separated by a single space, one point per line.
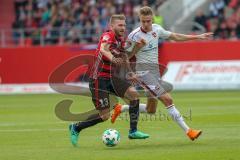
150 45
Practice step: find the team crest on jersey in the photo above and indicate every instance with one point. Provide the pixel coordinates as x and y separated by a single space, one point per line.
106 38
154 34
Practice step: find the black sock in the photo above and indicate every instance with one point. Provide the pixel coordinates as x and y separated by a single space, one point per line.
134 114
90 121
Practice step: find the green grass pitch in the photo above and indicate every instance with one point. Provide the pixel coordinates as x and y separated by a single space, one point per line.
29 130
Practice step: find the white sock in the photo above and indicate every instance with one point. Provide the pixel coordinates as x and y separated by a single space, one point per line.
125 108
177 117
142 108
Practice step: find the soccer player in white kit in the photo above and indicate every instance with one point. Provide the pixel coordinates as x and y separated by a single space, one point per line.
147 67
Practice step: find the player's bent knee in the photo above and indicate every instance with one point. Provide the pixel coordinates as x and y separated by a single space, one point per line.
132 94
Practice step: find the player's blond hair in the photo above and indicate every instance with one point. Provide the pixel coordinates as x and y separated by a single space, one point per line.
117 17
145 11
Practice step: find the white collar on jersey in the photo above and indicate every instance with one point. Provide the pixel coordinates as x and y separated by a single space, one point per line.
144 30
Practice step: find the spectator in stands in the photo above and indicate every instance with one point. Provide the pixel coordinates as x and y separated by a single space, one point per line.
223 19
222 32
201 19
216 8
233 3
19 4
16 33
157 18
63 18
88 32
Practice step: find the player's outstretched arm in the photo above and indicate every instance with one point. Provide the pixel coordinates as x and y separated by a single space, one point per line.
184 37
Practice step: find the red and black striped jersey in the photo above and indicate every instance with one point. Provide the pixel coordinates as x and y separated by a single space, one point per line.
102 66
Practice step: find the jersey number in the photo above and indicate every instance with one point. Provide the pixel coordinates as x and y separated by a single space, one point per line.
103 102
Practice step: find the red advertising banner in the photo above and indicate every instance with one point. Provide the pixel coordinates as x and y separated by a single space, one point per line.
200 51
35 64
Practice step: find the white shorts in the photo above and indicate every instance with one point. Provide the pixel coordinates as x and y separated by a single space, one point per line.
149 74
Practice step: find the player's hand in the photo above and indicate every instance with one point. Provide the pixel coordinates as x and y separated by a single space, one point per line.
117 61
205 36
115 51
131 76
141 43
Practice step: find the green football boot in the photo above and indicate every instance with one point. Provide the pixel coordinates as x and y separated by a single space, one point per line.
73 135
138 135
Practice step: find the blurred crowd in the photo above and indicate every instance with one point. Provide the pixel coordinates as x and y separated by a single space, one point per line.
72 21
223 19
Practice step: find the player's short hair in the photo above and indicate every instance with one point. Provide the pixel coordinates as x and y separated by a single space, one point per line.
117 17
145 11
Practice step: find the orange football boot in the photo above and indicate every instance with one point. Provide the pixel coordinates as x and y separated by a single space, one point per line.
193 134
116 112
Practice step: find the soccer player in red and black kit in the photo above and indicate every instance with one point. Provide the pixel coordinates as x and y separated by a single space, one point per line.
103 82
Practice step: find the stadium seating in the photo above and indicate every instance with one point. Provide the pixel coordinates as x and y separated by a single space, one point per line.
223 19
64 21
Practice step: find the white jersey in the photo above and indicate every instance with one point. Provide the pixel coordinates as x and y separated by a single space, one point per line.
149 53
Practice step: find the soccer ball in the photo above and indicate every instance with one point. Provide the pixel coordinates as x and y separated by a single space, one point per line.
111 137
